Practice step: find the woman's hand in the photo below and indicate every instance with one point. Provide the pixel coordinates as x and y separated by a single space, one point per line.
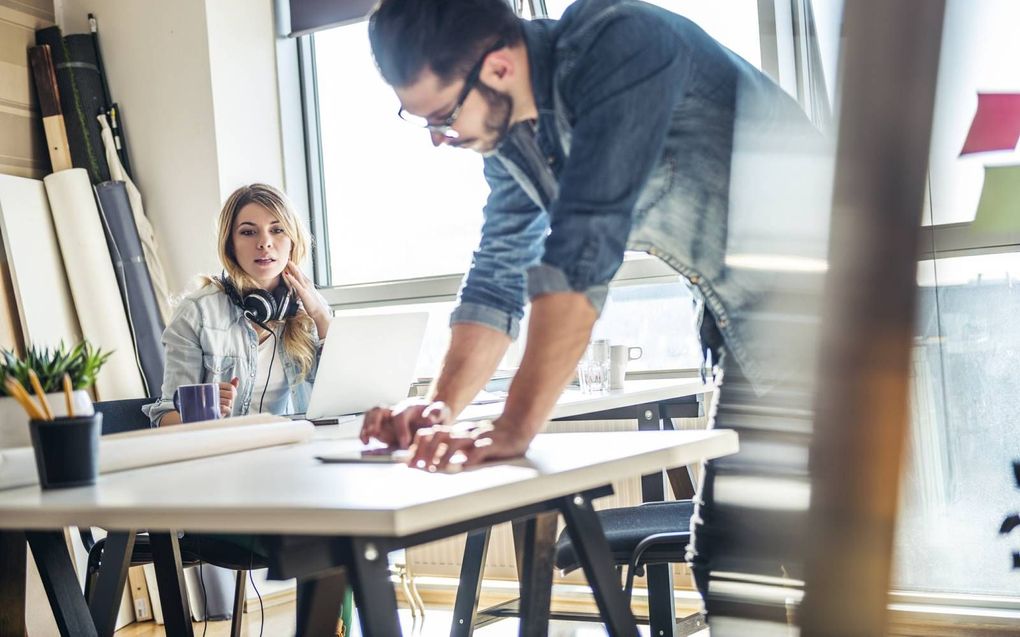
228 391
310 298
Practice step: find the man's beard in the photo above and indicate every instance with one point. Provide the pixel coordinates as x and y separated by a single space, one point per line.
497 120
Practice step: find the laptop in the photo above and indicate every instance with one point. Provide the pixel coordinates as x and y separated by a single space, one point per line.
367 361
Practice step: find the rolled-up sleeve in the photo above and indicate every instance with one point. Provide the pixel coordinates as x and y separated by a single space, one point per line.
493 291
621 93
183 358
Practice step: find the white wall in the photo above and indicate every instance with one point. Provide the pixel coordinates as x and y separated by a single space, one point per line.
196 80
242 53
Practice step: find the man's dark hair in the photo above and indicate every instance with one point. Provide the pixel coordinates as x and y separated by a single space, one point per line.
446 36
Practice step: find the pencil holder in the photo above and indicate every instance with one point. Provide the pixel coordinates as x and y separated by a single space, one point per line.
67 450
14 421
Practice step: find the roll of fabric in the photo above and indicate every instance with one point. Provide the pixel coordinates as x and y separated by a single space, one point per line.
81 98
93 282
145 232
143 314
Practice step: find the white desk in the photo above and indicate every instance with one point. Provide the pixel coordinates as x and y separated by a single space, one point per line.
574 404
635 392
286 490
323 516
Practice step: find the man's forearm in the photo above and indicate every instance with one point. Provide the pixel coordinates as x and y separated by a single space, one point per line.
475 351
558 332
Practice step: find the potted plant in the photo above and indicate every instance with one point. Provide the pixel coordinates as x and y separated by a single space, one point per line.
80 363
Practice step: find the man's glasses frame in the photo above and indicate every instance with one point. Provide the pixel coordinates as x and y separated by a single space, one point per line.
445 127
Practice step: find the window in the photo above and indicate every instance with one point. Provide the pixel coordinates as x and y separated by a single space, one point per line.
957 484
658 318
398 208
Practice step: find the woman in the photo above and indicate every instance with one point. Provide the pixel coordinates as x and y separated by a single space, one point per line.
256 330
215 335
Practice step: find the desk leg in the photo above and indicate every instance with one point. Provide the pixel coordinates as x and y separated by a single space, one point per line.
661 609
534 540
470 587
109 590
597 561
318 603
373 593
61 583
166 557
12 583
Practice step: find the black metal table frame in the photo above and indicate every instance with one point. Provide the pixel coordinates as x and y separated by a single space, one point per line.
326 565
661 617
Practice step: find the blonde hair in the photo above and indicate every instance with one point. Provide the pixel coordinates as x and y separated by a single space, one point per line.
297 338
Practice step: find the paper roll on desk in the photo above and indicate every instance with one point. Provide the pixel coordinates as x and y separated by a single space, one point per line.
149 447
93 282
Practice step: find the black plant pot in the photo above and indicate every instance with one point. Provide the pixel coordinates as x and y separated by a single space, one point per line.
67 450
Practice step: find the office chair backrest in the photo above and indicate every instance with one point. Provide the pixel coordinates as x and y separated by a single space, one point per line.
118 416
124 415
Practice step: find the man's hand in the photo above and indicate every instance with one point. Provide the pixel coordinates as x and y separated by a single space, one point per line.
228 391
395 426
467 443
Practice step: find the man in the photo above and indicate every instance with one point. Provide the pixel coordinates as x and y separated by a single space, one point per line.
617 127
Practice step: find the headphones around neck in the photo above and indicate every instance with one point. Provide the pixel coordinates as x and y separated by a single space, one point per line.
262 306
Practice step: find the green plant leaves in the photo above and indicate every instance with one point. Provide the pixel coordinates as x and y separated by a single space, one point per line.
81 363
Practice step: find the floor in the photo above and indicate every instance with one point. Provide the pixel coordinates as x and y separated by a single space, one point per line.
280 621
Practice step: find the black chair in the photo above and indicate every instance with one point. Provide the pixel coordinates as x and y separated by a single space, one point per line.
126 415
652 533
645 538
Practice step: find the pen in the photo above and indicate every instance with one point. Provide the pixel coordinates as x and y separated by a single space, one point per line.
68 396
34 379
18 393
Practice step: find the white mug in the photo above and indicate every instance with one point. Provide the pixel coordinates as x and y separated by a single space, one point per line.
619 356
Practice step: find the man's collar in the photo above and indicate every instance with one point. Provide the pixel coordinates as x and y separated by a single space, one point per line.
539 42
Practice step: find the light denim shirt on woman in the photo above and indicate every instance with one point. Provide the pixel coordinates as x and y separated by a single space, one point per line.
209 340
638 110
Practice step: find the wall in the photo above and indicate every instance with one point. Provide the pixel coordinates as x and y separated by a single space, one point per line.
196 81
242 56
22 145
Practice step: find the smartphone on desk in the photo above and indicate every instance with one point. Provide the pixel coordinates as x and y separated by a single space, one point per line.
382 454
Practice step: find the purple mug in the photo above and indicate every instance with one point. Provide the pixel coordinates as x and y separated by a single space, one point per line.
198 402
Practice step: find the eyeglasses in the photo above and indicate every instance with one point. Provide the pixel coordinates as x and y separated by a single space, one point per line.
445 127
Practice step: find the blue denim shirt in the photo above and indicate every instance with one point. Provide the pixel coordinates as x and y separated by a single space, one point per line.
638 109
209 340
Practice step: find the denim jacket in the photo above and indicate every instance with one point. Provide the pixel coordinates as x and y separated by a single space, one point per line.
209 340
637 113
